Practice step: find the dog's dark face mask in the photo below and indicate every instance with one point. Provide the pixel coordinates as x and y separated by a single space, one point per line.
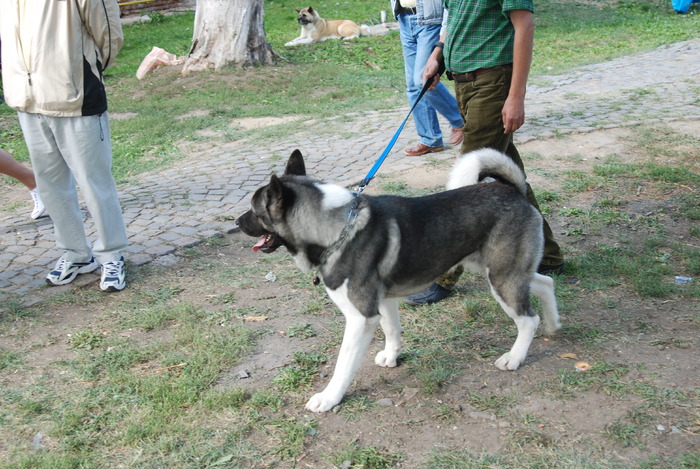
267 206
250 225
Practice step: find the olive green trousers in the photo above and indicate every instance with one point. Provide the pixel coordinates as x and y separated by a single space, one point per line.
481 103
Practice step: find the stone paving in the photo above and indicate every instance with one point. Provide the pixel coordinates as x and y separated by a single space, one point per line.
199 196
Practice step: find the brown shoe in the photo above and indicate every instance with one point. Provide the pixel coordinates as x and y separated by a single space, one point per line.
456 137
419 149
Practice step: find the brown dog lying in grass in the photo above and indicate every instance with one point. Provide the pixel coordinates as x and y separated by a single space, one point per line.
315 29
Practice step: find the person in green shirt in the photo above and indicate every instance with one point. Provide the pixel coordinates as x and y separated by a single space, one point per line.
487 51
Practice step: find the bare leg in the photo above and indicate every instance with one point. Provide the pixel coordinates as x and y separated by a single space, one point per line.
15 169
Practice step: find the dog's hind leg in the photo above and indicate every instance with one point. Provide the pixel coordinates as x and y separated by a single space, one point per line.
391 326
527 325
515 302
359 330
543 288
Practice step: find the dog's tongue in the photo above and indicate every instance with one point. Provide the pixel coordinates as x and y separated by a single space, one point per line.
260 243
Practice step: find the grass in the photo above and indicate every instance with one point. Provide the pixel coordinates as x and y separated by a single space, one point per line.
626 433
9 359
649 269
142 392
366 457
302 330
299 376
603 29
13 310
519 458
611 379
327 79
495 404
291 434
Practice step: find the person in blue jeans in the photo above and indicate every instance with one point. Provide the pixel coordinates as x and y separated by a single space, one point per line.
420 23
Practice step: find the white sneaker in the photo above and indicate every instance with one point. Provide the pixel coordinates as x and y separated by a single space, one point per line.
65 272
113 275
39 208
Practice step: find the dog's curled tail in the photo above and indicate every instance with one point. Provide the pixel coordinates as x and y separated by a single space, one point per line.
474 166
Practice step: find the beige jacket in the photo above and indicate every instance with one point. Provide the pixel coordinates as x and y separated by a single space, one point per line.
54 53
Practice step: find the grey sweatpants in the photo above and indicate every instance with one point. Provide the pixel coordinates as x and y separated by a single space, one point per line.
66 150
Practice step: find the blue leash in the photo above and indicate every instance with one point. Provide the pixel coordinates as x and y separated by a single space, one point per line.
352 213
370 175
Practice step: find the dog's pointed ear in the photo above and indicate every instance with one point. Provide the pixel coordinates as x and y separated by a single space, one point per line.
295 164
275 196
297 10
311 9
275 188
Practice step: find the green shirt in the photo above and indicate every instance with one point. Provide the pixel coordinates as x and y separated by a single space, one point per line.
480 34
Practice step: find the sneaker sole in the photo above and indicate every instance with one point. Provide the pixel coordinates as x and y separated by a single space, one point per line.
113 288
83 270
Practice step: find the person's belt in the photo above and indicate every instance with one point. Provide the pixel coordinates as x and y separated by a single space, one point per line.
406 11
471 76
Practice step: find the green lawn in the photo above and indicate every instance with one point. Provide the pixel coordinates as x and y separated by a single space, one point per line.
329 78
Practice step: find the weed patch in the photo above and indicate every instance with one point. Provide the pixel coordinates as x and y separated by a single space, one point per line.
367 457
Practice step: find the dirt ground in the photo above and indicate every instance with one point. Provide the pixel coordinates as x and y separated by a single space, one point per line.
653 340
406 420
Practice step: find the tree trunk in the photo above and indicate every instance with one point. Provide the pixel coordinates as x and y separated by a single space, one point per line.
228 33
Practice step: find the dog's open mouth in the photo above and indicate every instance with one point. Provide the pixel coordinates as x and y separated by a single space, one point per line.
267 243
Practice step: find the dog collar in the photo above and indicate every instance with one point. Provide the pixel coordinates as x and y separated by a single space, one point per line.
349 225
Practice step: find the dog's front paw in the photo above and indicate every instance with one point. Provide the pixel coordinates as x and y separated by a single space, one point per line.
322 403
386 358
509 362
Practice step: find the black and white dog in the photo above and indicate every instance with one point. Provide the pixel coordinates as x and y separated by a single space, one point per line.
370 251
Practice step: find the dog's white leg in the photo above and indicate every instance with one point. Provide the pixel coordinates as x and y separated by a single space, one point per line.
542 287
527 325
391 326
358 334
302 39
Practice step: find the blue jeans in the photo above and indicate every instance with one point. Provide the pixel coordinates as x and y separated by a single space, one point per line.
418 43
